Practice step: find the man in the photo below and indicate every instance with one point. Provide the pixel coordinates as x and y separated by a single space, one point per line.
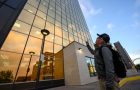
103 64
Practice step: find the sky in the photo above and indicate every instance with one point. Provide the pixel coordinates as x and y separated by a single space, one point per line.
118 18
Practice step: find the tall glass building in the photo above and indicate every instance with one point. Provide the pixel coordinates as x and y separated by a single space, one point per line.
65 21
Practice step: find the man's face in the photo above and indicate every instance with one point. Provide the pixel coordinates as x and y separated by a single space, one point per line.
99 41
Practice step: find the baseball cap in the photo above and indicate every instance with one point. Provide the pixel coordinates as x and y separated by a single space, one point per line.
105 37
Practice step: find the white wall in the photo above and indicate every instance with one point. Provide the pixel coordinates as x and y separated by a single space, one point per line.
75 66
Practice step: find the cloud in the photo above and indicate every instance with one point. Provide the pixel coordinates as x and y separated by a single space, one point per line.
88 9
110 26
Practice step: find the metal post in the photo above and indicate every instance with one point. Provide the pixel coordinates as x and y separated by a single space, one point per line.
28 69
45 33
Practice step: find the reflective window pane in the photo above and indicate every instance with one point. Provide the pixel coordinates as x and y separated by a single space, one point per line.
58 40
8 63
57 48
65 34
15 42
34 45
91 66
48 47
50 27
41 14
21 27
58 31
65 42
30 8
40 23
26 17
50 37
36 32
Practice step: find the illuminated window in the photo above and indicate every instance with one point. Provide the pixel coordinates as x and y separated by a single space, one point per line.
57 48
30 8
58 40
9 61
50 37
41 14
91 66
65 42
50 27
40 23
26 17
21 27
48 47
65 34
33 44
15 42
58 31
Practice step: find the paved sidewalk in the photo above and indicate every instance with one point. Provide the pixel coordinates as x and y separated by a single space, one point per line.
134 85
91 86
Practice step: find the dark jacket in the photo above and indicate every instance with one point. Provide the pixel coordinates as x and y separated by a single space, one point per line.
104 64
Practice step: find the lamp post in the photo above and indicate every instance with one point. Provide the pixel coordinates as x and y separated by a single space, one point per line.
136 59
44 32
28 69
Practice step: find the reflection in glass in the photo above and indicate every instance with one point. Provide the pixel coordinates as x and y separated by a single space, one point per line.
21 27
26 17
58 31
8 62
65 42
33 44
50 27
58 40
91 67
36 32
41 14
65 34
50 38
15 42
50 19
30 8
57 48
40 23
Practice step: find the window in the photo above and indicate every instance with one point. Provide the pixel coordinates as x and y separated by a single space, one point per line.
91 66
36 32
15 42
50 19
50 27
34 45
40 23
57 48
26 17
41 14
21 27
65 34
65 42
9 61
58 40
58 31
30 8
51 13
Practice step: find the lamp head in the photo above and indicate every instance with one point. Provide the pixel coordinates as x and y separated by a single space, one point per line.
31 53
45 32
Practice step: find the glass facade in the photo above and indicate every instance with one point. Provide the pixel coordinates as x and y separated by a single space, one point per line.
66 23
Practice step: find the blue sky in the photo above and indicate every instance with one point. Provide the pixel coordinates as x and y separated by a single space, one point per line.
119 18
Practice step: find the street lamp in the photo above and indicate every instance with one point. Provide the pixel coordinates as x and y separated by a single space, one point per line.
28 69
136 59
44 33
